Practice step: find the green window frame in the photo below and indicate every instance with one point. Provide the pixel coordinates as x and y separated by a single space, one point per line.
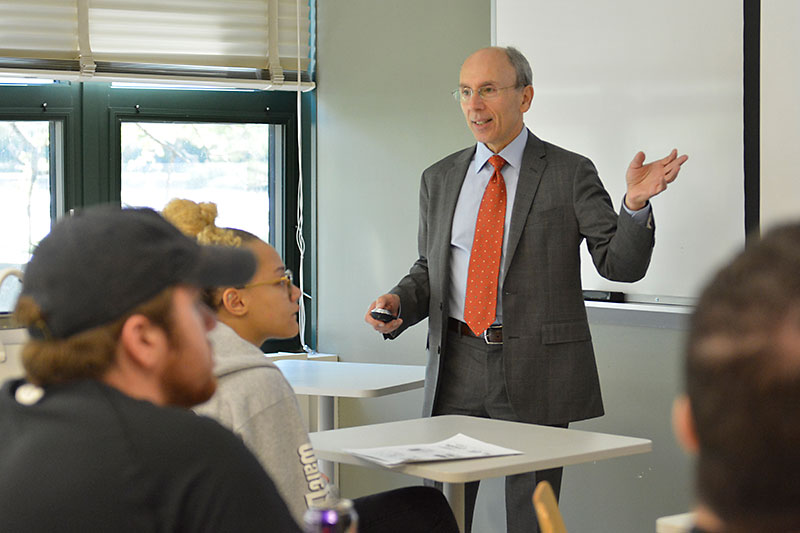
90 115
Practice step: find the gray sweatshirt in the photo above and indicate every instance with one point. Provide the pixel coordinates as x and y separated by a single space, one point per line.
256 402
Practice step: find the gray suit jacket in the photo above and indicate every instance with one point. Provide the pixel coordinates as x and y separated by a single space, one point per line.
550 370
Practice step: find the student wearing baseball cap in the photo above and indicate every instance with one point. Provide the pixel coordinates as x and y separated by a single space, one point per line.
97 437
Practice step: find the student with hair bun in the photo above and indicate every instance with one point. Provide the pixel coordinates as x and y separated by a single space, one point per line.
254 399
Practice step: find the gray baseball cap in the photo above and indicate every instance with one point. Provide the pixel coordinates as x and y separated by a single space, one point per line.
102 262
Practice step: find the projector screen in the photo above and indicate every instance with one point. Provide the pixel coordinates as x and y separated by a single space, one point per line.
613 78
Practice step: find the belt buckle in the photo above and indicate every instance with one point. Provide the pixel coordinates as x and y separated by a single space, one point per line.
486 335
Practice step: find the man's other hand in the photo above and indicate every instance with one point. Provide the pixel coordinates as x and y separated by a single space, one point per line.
646 181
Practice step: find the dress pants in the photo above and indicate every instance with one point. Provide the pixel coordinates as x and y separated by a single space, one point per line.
472 382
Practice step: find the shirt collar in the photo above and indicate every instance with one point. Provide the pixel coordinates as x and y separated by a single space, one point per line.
511 153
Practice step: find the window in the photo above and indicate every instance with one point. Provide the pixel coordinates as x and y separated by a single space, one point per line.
103 144
228 164
29 199
26 203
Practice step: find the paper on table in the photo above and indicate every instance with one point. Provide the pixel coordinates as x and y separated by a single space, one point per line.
458 446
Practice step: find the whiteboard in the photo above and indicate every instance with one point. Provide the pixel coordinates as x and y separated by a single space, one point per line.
613 78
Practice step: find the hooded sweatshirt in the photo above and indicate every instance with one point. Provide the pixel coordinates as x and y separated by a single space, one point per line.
255 401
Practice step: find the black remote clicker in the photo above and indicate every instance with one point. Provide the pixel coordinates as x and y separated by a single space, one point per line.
384 315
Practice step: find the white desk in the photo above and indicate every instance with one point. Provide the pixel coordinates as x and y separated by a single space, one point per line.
543 447
679 523
328 380
350 380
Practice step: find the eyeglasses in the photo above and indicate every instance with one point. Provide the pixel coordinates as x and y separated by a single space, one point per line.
285 280
464 94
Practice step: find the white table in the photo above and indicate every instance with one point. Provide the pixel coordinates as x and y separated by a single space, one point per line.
679 523
543 447
328 380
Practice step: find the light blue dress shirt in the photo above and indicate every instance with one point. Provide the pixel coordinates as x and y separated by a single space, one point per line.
477 178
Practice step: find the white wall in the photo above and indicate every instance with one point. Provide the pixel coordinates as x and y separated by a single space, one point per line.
640 369
384 114
780 111
386 71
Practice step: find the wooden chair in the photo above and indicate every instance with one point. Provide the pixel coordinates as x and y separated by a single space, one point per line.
544 501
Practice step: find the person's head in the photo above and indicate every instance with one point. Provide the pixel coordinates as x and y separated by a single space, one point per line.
743 388
266 307
110 294
496 89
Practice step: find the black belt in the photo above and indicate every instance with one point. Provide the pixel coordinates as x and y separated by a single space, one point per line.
492 335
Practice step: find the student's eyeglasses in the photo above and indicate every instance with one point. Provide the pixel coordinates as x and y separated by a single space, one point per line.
286 280
464 94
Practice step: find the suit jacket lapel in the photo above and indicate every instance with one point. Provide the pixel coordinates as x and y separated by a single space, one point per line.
453 180
530 175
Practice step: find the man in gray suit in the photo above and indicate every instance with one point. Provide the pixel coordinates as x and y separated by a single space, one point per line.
534 362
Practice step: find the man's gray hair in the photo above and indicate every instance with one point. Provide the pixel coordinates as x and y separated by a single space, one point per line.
521 66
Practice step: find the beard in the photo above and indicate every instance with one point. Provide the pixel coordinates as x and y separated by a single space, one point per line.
181 388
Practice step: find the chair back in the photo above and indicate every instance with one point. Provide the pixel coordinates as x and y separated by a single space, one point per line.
544 501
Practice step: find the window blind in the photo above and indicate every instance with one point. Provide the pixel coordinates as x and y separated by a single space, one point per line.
231 43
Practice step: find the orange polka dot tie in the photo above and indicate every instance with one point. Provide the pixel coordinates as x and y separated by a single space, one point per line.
484 260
